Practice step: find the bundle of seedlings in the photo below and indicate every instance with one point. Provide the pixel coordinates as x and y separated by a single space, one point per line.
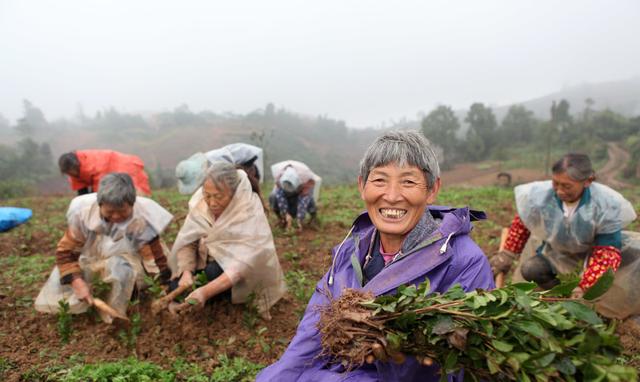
507 334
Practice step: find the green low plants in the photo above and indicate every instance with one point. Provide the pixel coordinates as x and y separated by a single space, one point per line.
260 340
129 370
64 321
236 369
250 314
5 365
300 285
153 286
130 335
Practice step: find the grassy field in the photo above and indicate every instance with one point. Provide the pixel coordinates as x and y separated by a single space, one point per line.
224 343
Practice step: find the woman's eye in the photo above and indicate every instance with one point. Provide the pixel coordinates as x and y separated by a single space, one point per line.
408 182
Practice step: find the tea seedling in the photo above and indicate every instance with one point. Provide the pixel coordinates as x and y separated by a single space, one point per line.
64 321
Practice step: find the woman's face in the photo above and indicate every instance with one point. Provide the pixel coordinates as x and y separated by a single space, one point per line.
396 198
567 189
116 214
217 198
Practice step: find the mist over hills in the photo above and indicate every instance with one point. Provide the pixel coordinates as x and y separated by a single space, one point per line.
620 96
328 146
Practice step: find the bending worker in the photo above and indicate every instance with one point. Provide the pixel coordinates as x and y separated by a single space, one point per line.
85 168
295 193
572 223
191 172
113 236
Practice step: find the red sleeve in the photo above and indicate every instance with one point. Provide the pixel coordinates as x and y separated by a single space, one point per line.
518 236
602 258
77 184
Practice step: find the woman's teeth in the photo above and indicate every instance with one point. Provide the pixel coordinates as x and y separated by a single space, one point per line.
392 213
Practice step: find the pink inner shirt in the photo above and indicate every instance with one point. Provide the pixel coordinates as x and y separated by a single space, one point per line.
386 256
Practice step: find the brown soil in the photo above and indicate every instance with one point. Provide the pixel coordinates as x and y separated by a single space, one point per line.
629 332
29 339
468 174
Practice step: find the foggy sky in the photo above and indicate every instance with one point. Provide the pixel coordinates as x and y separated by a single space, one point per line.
364 62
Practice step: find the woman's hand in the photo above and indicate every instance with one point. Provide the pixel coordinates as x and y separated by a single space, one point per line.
289 221
380 353
577 293
198 295
81 290
186 279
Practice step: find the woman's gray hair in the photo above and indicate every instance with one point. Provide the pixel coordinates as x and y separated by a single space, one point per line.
405 148
223 174
577 166
116 189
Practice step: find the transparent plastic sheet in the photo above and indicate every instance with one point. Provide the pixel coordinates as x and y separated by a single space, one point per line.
109 254
606 212
240 241
304 172
238 153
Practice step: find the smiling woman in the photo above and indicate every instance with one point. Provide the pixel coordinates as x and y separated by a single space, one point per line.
401 240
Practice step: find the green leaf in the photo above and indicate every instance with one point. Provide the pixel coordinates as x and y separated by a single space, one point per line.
391 307
478 301
444 325
591 342
502 346
564 289
487 326
581 312
574 340
525 287
424 288
409 291
450 361
394 341
565 366
504 296
370 304
456 293
546 316
524 302
546 359
492 364
531 327
601 286
592 372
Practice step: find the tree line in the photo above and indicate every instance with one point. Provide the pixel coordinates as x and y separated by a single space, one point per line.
521 133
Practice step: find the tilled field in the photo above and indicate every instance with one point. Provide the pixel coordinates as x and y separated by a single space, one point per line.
30 342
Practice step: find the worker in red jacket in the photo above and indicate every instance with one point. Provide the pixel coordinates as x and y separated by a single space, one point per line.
86 167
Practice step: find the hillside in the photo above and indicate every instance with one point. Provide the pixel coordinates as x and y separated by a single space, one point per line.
620 96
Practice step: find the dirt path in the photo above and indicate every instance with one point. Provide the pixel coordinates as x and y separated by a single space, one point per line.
474 175
618 157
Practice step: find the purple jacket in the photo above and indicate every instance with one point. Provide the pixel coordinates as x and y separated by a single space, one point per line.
448 257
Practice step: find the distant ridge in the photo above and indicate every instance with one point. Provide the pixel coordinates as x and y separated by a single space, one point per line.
620 96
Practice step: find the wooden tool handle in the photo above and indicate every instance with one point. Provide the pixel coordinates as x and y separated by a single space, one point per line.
503 241
175 293
164 301
104 307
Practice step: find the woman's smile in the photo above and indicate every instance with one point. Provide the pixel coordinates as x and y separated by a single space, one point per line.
392 213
